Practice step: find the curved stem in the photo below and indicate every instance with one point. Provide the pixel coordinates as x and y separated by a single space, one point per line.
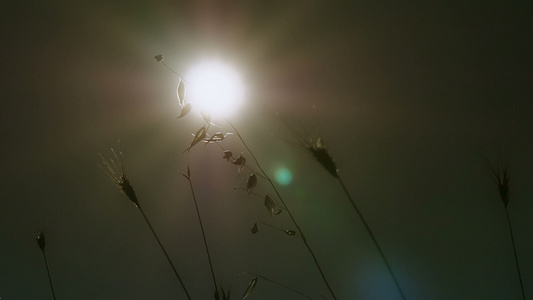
287 209
515 255
166 255
172 70
203 235
372 237
49 277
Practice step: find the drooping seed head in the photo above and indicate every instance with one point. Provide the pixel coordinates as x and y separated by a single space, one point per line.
241 162
251 183
40 240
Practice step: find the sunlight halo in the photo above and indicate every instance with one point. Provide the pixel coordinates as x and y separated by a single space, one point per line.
214 87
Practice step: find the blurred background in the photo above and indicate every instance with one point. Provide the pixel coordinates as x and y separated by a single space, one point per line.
408 97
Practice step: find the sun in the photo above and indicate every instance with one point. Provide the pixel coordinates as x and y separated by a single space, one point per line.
214 87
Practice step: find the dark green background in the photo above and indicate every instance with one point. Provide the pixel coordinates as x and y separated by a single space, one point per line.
406 96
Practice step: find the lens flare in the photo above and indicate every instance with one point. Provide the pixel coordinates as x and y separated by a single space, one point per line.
283 176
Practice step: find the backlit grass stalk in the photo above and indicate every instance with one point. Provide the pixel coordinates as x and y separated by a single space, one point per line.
319 152
372 236
188 176
41 242
503 179
304 239
115 170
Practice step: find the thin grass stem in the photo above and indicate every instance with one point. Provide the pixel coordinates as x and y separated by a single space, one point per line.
203 232
166 254
515 255
49 277
278 283
372 236
287 209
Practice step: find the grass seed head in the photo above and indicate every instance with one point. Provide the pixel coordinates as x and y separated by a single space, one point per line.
503 180
115 170
321 154
40 240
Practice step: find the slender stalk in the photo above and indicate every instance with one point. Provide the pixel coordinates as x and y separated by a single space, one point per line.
278 283
49 277
371 234
203 233
166 255
286 208
515 255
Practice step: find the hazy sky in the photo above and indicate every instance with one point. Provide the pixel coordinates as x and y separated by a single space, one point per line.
405 95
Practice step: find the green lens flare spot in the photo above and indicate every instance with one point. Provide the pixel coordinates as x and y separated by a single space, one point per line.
283 176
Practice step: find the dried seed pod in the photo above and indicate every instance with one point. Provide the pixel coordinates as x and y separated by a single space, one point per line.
200 135
271 206
227 155
40 240
251 183
289 232
255 228
180 91
241 162
217 137
250 288
186 109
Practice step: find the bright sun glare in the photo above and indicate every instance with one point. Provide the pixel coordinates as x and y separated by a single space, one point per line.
214 87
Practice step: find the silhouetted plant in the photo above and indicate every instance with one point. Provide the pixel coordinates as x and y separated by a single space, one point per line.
42 243
316 147
275 282
216 291
240 161
502 179
114 168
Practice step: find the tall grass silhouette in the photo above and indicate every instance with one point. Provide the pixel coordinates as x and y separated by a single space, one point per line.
316 147
114 168
202 135
42 245
502 179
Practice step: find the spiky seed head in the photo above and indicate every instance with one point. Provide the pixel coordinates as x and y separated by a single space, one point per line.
503 181
127 189
322 155
115 170
40 240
